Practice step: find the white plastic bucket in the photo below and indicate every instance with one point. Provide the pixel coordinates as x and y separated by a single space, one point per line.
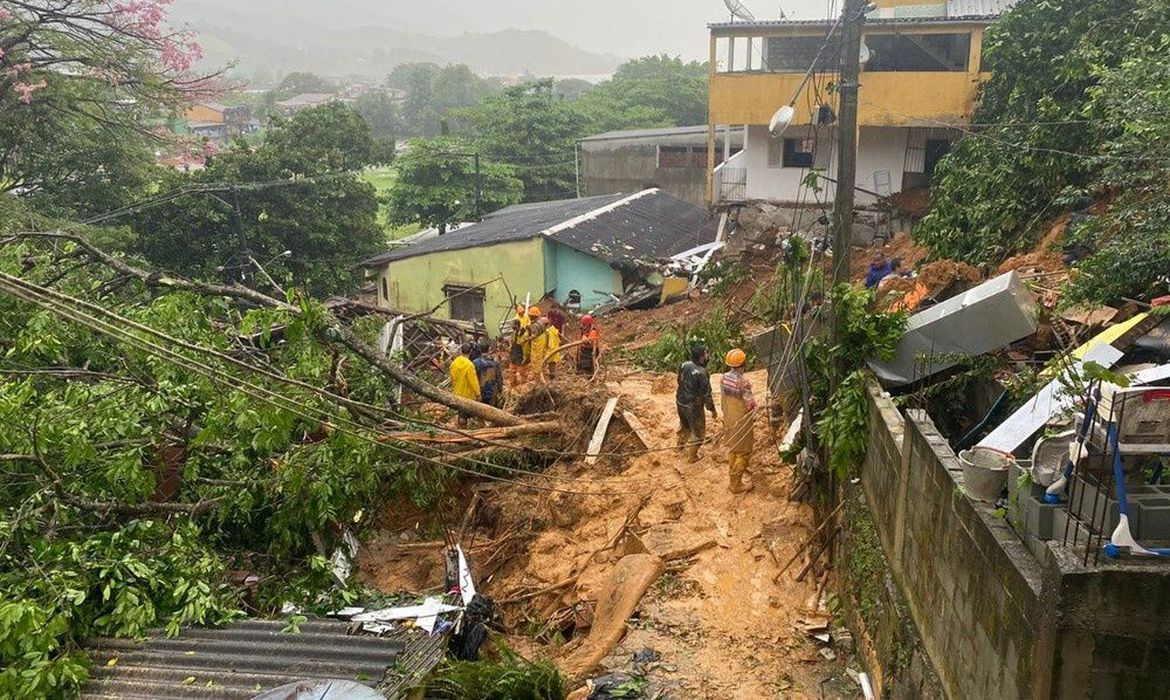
985 472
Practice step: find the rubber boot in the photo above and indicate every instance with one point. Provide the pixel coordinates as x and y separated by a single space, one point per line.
745 475
736 469
680 442
692 452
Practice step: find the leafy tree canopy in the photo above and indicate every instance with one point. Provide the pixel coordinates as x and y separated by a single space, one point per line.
1073 107
433 92
649 92
301 83
298 192
437 184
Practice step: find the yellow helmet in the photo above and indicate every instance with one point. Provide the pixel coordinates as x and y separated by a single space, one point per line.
736 358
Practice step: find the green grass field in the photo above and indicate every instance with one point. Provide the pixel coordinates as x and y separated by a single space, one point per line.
383 179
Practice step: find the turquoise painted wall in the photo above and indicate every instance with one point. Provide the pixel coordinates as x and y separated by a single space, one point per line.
573 269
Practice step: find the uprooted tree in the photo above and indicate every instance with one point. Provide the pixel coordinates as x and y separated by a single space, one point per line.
161 433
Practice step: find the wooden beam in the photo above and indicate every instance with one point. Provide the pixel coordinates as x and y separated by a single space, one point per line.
599 433
638 428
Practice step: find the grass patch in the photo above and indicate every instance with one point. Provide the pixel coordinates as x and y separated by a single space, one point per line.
383 178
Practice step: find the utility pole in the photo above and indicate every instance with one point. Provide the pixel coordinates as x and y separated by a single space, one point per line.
854 22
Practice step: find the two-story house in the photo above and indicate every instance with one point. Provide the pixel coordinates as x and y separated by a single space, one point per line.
921 72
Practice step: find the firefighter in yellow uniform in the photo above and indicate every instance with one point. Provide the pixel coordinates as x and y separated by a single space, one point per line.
739 407
464 378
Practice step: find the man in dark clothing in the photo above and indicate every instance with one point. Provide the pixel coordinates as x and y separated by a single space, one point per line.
693 395
491 377
879 269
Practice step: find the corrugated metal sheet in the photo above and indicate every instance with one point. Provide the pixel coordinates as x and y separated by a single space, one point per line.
245 658
978 8
654 225
515 223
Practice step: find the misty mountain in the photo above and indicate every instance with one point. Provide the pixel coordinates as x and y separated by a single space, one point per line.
266 39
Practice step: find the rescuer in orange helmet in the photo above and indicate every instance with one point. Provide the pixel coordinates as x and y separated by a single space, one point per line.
739 407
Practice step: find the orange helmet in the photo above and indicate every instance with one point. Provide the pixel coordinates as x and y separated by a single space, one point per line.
736 358
534 312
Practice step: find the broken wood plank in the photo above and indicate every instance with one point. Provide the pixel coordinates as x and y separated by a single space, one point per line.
599 433
638 428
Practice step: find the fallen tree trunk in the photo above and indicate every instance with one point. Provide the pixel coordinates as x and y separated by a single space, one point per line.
333 332
482 435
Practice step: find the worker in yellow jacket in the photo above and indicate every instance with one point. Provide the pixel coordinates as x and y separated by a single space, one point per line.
554 348
739 408
464 378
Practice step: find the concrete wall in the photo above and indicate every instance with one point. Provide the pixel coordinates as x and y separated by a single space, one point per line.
573 269
880 148
992 621
613 169
416 284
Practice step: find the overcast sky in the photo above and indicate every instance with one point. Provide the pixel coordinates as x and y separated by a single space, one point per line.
623 27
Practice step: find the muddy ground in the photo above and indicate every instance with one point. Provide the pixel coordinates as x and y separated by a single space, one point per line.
719 621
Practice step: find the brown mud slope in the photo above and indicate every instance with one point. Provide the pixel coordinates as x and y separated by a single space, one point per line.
722 627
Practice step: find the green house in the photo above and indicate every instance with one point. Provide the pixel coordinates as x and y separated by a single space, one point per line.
598 247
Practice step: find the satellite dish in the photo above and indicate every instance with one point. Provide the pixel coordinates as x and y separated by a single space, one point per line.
738 11
781 120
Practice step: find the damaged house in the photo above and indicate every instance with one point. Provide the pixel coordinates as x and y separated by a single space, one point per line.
599 248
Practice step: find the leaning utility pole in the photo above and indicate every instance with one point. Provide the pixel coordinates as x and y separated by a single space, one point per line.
854 20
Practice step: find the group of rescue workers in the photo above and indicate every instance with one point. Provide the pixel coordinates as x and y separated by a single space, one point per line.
533 342
694 399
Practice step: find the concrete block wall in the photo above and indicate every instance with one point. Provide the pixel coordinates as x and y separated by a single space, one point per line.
959 566
997 617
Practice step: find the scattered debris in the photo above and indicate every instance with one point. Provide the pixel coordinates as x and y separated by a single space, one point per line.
984 319
631 578
599 433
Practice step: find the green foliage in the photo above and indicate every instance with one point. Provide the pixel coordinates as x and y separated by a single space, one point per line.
843 424
437 184
719 332
510 678
531 128
726 274
1047 61
434 93
648 92
93 426
327 219
301 83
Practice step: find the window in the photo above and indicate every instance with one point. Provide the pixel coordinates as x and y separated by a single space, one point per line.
466 303
918 52
794 54
791 153
385 290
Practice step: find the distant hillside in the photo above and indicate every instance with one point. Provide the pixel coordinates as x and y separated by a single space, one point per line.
266 39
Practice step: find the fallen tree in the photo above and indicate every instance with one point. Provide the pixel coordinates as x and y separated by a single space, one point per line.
157 435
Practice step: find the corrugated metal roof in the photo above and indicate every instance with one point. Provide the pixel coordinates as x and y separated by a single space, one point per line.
648 228
647 225
649 133
978 8
730 27
247 657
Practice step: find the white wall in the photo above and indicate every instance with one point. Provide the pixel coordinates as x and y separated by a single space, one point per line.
880 148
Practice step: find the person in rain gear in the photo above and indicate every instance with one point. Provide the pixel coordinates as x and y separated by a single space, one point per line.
464 379
521 352
739 406
589 353
692 396
539 343
553 334
491 379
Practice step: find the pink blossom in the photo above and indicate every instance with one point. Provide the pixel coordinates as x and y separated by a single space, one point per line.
26 90
4 14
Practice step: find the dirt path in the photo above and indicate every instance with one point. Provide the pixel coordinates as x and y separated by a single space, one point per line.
720 626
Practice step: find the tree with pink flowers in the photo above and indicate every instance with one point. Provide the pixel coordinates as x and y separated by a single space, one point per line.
82 81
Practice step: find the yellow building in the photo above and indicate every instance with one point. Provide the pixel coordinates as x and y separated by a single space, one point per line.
922 67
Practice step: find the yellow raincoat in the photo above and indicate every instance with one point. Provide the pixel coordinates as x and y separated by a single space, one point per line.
554 345
464 379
